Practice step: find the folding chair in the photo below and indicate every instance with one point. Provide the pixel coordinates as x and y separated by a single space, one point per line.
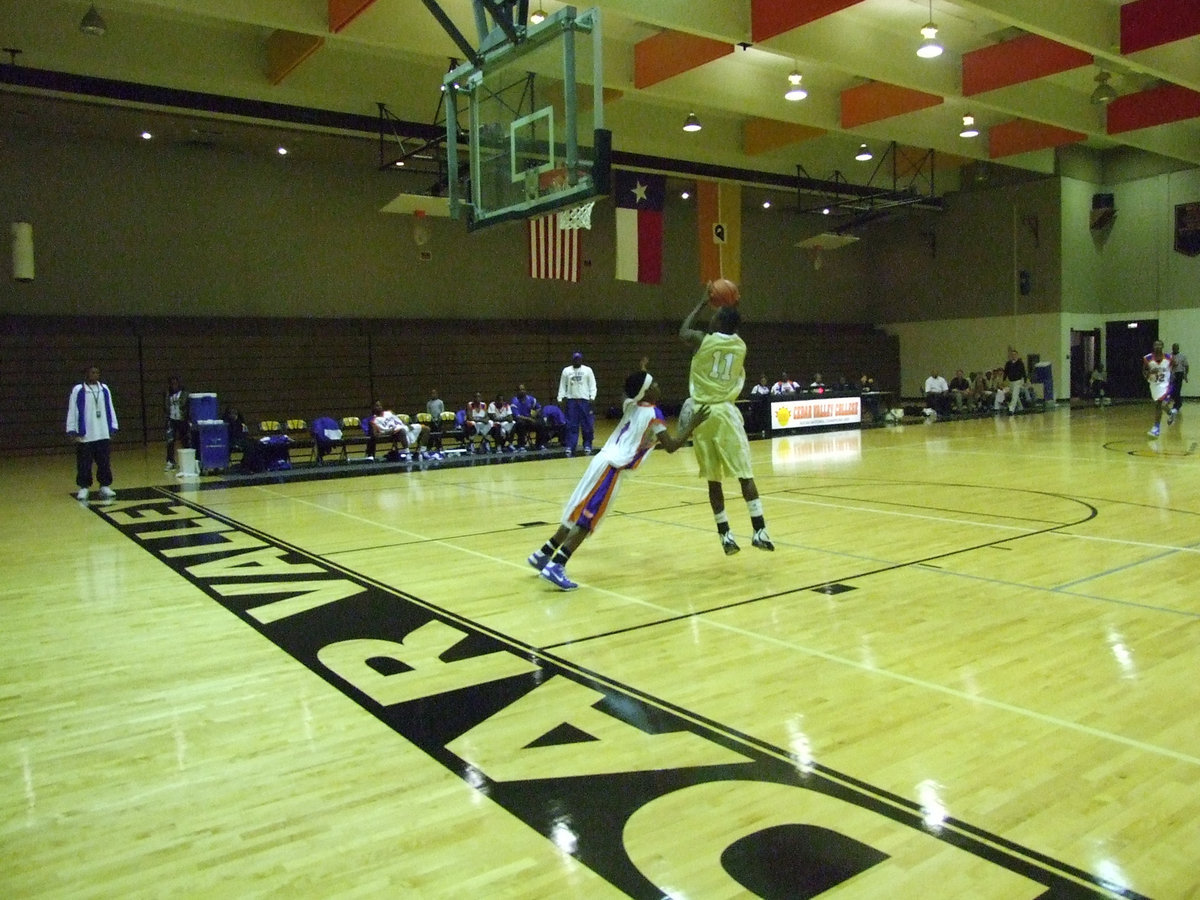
351 428
326 437
452 427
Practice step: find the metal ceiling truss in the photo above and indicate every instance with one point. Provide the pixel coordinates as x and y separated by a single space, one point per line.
912 183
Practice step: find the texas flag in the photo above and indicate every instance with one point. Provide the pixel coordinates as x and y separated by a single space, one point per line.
639 199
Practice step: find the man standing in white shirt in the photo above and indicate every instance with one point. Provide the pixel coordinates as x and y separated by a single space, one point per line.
92 421
576 392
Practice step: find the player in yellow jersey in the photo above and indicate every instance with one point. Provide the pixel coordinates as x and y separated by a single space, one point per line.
716 379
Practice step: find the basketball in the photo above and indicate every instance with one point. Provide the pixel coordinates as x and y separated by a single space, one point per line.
723 292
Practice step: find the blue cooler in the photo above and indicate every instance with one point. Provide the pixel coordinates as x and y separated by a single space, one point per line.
212 445
201 407
1043 374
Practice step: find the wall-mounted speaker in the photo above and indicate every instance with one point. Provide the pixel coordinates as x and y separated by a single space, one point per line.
1103 211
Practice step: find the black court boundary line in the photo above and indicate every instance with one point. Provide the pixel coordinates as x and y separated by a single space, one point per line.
1049 864
891 567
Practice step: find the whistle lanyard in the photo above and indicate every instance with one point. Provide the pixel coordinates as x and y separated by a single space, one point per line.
97 394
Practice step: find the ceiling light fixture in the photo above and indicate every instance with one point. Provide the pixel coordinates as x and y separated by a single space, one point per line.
930 47
1104 92
864 153
282 151
969 130
766 204
537 17
795 92
146 135
93 23
691 123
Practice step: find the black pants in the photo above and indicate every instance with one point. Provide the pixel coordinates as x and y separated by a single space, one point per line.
1177 390
87 453
177 433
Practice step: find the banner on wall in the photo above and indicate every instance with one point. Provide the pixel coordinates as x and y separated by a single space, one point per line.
553 250
1187 228
639 198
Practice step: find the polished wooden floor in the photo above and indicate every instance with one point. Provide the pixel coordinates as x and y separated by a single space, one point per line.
970 669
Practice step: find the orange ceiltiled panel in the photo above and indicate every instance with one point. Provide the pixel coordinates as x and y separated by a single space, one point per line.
671 53
771 17
878 100
1152 23
1024 59
1023 136
912 161
1168 103
765 135
286 50
343 12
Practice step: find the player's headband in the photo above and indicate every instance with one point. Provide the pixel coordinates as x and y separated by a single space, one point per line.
645 387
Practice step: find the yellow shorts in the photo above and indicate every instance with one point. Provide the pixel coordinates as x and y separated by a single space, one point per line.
720 444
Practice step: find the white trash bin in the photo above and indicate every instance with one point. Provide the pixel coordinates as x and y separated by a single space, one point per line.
187 463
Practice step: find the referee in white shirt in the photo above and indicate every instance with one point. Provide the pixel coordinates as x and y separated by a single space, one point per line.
576 391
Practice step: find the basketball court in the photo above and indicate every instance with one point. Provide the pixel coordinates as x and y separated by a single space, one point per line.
967 670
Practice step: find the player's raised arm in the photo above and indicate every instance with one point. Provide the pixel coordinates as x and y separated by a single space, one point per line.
688 331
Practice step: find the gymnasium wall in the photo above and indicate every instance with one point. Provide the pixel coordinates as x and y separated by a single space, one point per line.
181 246
304 368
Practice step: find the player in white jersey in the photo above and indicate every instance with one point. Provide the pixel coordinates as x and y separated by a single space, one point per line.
1156 366
640 430
717 374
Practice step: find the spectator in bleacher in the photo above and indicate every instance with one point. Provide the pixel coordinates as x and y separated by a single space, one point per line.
760 404
479 425
818 384
960 391
435 407
937 395
784 387
409 436
500 412
175 405
523 406
555 424
239 431
982 390
866 383
999 389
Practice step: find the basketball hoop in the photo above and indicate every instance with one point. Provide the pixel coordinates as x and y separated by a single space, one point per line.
576 217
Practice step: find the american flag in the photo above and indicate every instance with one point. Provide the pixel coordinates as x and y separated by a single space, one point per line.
553 251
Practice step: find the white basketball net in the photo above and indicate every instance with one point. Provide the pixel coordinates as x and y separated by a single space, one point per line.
576 217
